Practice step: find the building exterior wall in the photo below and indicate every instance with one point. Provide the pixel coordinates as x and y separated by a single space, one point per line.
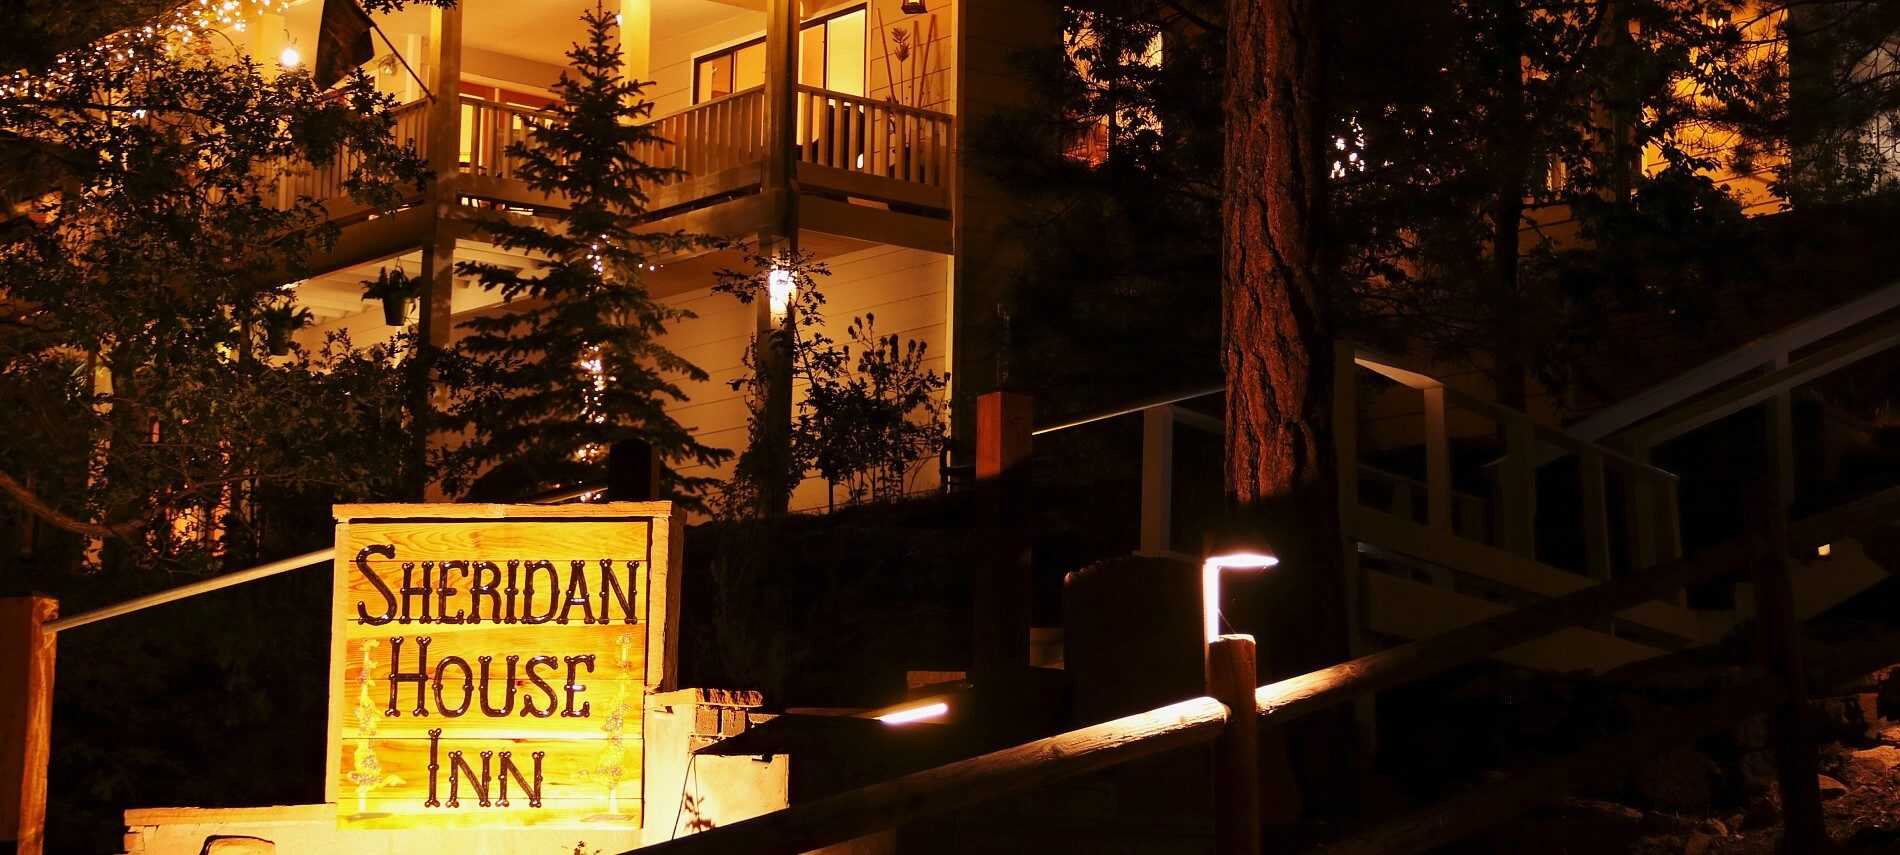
906 290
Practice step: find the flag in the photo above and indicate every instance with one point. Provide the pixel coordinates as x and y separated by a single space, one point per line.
342 41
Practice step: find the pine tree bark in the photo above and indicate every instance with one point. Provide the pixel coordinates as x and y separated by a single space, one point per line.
1277 333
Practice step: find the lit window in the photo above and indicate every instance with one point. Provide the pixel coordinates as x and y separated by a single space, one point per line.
830 56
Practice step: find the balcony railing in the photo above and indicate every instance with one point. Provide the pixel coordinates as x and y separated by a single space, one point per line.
326 181
834 130
872 137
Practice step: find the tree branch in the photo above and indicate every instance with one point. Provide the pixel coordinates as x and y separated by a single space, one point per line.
40 508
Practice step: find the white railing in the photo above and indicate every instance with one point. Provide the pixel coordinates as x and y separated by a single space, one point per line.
872 137
709 137
1651 533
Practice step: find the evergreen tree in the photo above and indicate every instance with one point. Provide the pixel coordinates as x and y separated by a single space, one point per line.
573 362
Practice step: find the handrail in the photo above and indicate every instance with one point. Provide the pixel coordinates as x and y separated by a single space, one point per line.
282 565
893 106
1762 388
1129 410
846 816
195 588
1735 363
855 813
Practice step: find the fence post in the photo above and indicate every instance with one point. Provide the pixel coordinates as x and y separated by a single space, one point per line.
633 471
1157 481
1803 826
1000 626
26 719
1236 762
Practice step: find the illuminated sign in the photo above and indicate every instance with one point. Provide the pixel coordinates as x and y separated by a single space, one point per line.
489 663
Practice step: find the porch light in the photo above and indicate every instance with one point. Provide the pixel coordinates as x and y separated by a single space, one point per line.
779 287
913 7
290 58
1230 546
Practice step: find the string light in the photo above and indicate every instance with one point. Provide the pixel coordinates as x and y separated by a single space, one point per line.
182 25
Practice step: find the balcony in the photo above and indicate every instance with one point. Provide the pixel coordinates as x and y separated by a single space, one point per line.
856 160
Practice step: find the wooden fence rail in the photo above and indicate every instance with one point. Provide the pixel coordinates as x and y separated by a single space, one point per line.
853 814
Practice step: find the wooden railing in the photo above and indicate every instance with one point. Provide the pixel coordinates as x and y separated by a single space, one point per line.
325 182
709 137
853 814
1648 494
834 130
873 137
491 128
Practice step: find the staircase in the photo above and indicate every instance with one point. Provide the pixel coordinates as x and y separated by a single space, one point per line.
1444 540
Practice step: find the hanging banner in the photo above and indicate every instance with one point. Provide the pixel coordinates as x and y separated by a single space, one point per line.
489 663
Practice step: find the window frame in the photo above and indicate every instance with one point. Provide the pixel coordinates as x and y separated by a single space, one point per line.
732 50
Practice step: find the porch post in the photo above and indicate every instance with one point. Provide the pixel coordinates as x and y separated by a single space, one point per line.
444 152
636 38
772 356
26 720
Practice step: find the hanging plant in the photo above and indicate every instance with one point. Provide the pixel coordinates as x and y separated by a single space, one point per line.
279 322
395 289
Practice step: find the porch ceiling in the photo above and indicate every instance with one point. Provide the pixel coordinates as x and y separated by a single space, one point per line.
540 30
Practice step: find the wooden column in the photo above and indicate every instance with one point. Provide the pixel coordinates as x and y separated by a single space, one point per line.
26 720
1804 826
782 18
443 137
1000 626
1236 761
636 38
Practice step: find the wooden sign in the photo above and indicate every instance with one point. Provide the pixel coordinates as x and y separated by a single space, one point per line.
489 663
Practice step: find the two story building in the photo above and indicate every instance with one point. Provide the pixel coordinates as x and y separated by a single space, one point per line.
834 128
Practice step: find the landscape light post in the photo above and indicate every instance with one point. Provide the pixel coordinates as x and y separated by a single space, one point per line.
1231 677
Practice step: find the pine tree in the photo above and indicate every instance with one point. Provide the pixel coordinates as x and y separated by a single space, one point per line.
573 363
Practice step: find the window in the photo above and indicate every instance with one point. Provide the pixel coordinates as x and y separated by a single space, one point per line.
830 56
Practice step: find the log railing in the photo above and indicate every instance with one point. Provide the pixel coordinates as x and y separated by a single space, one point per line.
872 137
852 814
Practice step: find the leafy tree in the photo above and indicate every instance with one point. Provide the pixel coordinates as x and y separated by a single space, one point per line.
864 423
1116 164
141 253
573 361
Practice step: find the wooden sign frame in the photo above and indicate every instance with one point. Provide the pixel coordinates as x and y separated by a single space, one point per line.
658 626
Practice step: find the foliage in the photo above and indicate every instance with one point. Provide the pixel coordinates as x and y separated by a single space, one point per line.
142 262
1115 165
573 362
863 423
1475 142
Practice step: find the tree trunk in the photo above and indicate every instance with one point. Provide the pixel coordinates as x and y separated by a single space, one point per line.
1277 327
1508 371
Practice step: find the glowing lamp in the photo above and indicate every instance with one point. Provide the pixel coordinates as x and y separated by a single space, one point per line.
290 58
779 287
922 713
1231 546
